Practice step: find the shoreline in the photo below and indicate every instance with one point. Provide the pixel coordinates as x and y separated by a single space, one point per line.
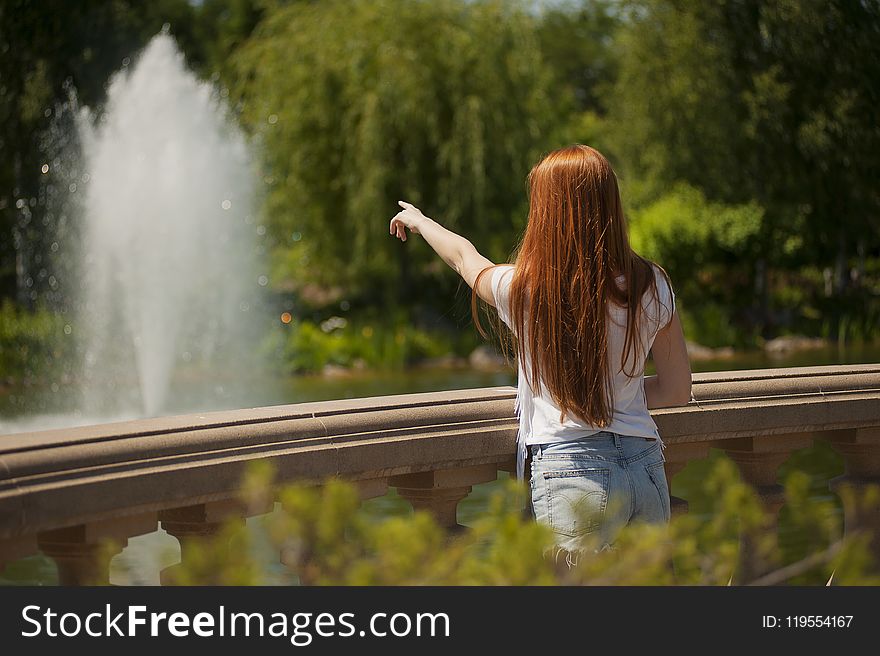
486 358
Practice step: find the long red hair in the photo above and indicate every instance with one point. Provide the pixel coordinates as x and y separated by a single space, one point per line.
574 247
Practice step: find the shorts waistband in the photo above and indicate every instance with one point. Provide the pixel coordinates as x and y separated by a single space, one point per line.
616 439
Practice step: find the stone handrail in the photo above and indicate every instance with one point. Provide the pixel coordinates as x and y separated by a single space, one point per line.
58 485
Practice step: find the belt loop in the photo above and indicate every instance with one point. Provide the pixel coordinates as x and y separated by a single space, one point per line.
539 450
616 440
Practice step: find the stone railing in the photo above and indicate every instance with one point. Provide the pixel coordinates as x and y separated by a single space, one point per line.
65 492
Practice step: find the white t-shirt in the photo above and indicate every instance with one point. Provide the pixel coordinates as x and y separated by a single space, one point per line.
539 415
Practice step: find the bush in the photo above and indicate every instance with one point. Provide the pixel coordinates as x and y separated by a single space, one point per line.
709 324
33 344
709 250
306 346
329 539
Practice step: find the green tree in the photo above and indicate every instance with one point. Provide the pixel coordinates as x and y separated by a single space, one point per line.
444 103
772 101
219 28
44 47
709 250
577 41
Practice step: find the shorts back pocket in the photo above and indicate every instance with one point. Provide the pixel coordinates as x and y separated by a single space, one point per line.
576 499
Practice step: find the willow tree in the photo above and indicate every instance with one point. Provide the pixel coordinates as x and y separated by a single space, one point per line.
445 103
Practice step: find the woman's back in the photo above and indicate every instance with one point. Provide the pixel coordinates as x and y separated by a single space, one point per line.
540 416
584 310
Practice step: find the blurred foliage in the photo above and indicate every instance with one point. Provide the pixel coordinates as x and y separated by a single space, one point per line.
683 220
577 42
33 343
768 103
709 250
47 49
381 342
444 103
326 539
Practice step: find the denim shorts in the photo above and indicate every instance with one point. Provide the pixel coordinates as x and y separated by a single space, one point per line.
595 485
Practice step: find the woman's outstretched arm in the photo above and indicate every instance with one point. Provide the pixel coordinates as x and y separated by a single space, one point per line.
672 384
456 251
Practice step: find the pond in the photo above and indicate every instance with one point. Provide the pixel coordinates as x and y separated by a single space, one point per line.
32 408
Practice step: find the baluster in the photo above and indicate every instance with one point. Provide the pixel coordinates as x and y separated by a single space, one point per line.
440 491
860 449
83 552
677 457
758 460
200 523
371 488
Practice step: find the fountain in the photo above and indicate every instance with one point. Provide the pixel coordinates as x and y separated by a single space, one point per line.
168 239
168 235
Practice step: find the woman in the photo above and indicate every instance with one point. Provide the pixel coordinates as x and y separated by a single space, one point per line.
584 311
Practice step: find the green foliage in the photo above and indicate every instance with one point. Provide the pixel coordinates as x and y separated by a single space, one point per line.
326 539
367 342
44 47
744 135
445 103
33 343
217 29
208 561
766 105
576 39
686 232
671 108
710 324
709 249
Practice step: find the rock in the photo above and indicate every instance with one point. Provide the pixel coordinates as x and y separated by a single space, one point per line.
700 352
788 343
448 361
334 370
485 357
